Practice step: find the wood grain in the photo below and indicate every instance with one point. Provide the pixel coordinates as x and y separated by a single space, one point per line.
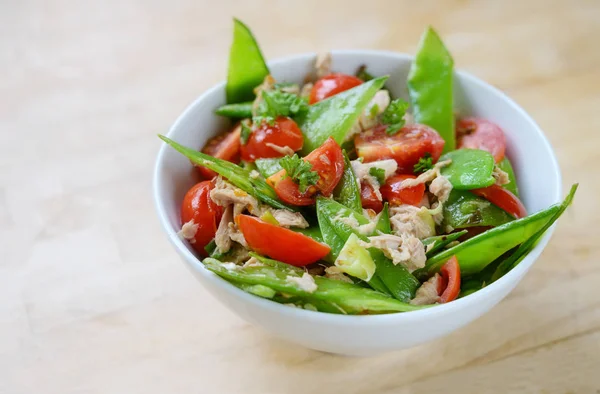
94 300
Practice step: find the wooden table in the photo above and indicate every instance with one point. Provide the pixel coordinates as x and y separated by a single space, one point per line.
94 299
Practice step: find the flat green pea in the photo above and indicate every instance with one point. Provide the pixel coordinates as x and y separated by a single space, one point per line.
439 242
268 167
336 115
507 167
347 192
430 87
476 253
236 111
464 209
470 169
247 67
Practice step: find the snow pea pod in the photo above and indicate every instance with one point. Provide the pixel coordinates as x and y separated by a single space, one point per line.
439 242
476 253
336 115
236 111
256 187
268 167
470 169
464 209
247 67
347 192
430 87
507 167
350 298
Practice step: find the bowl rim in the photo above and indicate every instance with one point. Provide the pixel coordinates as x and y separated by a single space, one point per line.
389 318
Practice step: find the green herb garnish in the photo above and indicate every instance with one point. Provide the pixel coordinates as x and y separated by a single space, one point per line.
245 133
378 173
277 103
425 163
300 171
393 116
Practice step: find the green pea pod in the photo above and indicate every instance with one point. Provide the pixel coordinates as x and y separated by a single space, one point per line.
258 290
247 67
384 226
336 115
464 209
268 167
236 111
430 87
350 298
511 261
507 167
395 278
439 242
476 253
347 192
470 169
256 187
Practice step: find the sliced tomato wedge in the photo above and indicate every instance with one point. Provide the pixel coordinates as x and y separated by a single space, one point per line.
327 160
393 194
476 133
284 132
280 243
331 85
449 284
369 198
407 146
197 206
225 146
504 199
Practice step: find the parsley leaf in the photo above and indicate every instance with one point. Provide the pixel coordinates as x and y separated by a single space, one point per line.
425 163
378 173
245 133
277 103
393 116
300 171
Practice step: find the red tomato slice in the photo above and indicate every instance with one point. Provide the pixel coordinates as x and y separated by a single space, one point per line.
407 146
327 160
481 134
450 281
285 132
502 198
199 207
225 146
331 85
280 243
369 198
393 194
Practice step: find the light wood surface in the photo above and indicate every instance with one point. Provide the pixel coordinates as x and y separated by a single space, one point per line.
94 300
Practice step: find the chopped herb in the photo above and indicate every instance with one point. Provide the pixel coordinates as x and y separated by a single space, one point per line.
378 173
277 103
363 74
245 133
425 163
393 116
300 171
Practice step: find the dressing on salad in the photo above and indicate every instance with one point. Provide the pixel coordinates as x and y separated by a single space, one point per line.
335 197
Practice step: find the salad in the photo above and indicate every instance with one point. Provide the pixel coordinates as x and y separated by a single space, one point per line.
335 196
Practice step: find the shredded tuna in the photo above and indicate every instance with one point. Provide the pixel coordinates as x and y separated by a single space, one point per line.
236 235
500 176
351 221
369 118
293 89
361 171
253 262
188 231
335 273
224 193
323 64
408 219
286 218
441 188
424 201
222 237
425 177
284 150
306 89
404 249
427 294
230 266
306 282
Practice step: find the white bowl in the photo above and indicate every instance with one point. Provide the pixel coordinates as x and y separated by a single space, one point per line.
530 152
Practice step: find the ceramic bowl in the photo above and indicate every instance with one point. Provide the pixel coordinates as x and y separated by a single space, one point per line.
534 162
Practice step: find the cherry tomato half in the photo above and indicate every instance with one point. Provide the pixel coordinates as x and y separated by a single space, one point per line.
502 198
369 198
449 284
481 134
285 132
199 207
331 85
327 160
280 243
393 194
225 146
407 146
